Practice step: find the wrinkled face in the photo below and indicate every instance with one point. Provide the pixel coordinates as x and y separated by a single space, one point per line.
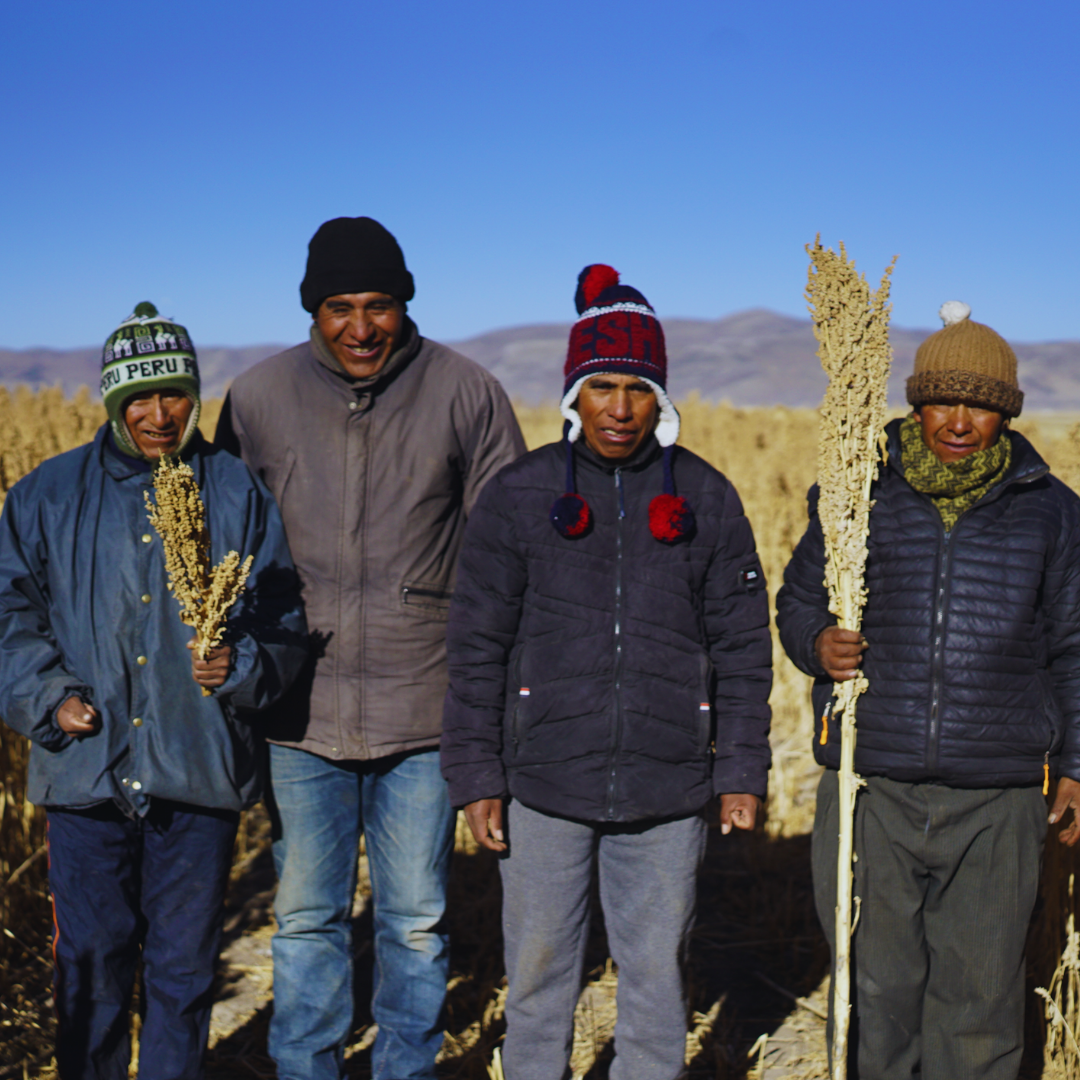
953 431
157 421
618 413
361 330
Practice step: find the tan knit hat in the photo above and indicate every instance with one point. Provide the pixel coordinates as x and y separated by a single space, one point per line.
965 362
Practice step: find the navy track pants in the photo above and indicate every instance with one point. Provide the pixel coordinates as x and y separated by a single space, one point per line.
155 885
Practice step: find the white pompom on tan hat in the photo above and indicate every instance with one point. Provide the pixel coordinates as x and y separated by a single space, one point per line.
966 361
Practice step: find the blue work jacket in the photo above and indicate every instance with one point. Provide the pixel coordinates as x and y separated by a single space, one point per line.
85 610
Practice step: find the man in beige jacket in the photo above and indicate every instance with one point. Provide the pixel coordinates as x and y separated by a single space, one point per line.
376 443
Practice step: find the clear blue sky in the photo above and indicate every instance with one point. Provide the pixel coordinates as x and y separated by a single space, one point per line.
184 152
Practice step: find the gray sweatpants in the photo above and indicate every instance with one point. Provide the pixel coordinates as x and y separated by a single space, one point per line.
648 873
948 879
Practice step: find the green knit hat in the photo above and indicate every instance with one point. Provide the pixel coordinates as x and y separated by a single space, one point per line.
147 352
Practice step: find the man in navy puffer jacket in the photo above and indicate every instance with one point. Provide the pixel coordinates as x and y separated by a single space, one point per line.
971 645
610 670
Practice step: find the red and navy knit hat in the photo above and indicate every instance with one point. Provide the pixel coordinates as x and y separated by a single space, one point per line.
618 333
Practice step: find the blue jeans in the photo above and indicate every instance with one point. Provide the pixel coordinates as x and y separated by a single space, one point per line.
122 888
401 805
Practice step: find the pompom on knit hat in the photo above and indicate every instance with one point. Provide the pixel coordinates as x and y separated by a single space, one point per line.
354 255
967 362
618 333
147 352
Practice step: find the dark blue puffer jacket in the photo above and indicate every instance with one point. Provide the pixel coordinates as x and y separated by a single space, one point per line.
84 610
590 678
974 635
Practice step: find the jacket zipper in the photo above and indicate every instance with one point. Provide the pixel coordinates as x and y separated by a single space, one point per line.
941 600
937 663
434 594
613 767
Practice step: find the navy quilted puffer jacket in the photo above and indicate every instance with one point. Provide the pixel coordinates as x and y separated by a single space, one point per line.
609 677
974 635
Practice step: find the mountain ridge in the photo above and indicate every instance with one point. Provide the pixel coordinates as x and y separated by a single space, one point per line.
751 357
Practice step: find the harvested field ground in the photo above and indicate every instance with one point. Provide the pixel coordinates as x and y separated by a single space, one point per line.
757 945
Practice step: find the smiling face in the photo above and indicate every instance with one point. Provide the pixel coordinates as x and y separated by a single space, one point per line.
953 431
361 330
618 413
157 420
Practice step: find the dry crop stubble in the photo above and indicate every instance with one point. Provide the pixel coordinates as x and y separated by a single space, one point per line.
770 454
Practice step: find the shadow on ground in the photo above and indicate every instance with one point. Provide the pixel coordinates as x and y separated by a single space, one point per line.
755 920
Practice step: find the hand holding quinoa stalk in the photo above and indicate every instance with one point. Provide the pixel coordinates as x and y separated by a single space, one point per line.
205 593
142 776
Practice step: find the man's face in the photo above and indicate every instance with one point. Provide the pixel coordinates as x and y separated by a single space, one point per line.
618 413
157 421
953 431
361 330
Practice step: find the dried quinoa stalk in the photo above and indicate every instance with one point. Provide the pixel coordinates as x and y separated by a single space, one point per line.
205 593
851 325
1062 1051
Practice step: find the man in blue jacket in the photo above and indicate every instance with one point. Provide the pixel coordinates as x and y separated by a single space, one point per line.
142 775
971 645
610 667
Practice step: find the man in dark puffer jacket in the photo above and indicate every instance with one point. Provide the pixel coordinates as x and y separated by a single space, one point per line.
609 671
971 635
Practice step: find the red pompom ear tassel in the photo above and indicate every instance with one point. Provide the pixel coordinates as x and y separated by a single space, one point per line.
571 516
670 518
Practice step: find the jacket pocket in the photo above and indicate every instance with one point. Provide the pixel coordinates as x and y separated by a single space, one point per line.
516 694
705 708
1050 712
426 599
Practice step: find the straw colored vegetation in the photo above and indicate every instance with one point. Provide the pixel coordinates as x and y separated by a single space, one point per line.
205 593
758 939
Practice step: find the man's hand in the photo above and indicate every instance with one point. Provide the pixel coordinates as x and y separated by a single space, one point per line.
485 818
214 670
840 652
740 811
1068 796
77 719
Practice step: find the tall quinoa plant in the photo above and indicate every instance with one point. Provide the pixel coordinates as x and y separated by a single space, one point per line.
851 325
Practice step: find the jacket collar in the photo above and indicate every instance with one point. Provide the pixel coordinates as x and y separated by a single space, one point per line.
1027 464
399 359
648 452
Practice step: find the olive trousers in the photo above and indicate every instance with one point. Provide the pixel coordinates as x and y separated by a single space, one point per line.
947 879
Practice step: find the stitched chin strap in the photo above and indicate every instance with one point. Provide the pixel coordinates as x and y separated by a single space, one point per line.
570 513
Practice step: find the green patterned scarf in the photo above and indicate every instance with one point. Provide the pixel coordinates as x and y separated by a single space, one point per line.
957 487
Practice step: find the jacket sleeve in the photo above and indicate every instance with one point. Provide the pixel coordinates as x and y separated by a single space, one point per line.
736 609
34 681
802 605
227 432
494 440
484 618
267 627
1062 594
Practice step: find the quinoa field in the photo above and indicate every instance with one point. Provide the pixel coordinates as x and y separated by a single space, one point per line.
757 947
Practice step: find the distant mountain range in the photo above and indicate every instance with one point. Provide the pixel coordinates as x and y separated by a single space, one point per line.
754 357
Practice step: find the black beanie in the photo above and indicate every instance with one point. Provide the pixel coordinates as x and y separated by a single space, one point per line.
354 255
